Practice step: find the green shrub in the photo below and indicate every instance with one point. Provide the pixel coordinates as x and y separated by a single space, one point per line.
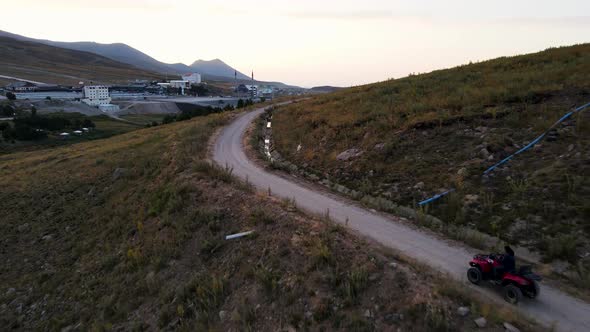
320 253
562 247
354 283
268 278
259 215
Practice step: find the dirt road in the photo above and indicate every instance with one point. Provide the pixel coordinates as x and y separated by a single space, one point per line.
552 307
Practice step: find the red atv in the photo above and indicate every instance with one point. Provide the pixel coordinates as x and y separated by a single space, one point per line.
515 283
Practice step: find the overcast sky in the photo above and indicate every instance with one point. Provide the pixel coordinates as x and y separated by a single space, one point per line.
311 42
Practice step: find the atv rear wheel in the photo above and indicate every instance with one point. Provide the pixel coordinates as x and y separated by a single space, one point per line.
537 290
474 275
512 294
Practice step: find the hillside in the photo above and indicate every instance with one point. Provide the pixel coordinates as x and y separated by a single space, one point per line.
324 89
118 51
127 233
126 54
406 140
51 64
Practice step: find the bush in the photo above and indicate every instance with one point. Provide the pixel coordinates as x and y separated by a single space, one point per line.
355 282
9 133
169 118
259 215
10 96
26 133
87 123
563 247
268 279
321 253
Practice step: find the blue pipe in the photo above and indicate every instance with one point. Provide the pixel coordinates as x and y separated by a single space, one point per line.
505 160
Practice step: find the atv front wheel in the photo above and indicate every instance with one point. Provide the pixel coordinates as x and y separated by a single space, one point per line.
474 275
512 294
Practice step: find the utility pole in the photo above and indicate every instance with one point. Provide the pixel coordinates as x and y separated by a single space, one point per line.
252 91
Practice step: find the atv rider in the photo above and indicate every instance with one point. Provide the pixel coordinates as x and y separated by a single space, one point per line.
508 263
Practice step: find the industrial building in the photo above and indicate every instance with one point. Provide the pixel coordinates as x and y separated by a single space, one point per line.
96 95
193 78
250 91
22 87
66 95
180 84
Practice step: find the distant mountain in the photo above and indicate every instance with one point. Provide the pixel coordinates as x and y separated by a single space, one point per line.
216 67
45 63
127 54
118 52
211 70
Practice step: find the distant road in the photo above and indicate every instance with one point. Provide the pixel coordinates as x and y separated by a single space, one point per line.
552 306
22 80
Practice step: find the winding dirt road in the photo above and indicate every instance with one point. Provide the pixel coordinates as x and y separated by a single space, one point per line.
552 307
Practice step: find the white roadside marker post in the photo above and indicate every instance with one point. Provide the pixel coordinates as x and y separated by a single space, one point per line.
238 235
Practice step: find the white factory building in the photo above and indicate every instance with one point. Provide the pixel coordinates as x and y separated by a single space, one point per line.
193 78
96 95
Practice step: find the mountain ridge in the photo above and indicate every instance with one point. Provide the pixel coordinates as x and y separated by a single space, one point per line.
124 53
46 63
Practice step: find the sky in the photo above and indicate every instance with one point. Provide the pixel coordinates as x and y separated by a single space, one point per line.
311 42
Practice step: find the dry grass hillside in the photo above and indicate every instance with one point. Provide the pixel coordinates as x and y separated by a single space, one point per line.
411 138
127 233
48 64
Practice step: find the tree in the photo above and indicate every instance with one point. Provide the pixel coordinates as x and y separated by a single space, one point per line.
10 96
169 119
87 123
240 103
199 90
170 90
8 133
6 110
33 111
24 132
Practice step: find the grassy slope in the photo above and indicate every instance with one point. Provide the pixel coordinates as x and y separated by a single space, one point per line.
50 64
105 127
144 118
426 128
127 232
